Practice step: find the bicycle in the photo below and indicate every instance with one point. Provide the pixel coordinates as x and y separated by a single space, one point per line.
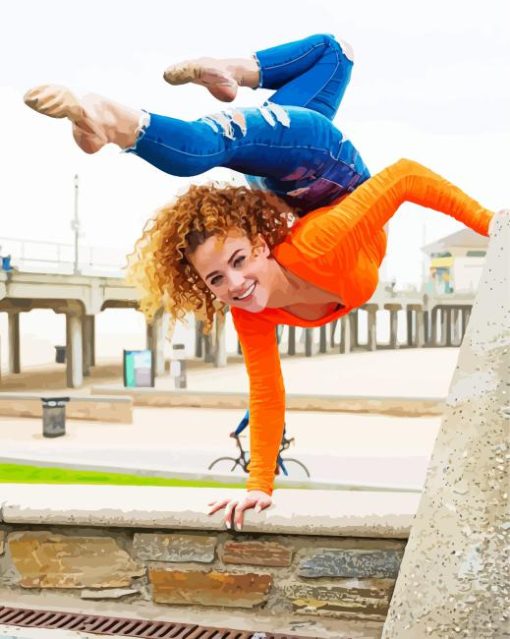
229 464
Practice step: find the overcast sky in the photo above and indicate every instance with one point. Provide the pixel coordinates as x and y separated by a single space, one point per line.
430 82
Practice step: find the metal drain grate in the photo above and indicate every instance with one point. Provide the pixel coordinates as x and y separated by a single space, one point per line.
126 627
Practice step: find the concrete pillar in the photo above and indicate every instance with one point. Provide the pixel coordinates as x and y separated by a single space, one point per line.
291 350
323 340
220 341
466 313
156 343
426 326
420 328
444 327
393 325
308 342
454 578
456 329
354 320
74 350
333 326
433 326
372 328
88 343
345 340
409 327
14 365
199 338
209 350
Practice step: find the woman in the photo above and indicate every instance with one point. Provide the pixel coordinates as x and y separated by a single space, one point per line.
288 145
233 246
215 247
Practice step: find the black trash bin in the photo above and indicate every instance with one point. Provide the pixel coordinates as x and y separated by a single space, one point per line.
60 354
54 416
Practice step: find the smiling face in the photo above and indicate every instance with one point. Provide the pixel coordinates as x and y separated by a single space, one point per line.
238 272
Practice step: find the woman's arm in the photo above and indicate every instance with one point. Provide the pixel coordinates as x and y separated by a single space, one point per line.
348 227
267 396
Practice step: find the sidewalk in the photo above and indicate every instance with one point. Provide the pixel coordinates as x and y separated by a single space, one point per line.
402 372
342 447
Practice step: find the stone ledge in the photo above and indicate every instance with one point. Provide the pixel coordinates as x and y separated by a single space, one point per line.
103 408
296 512
391 405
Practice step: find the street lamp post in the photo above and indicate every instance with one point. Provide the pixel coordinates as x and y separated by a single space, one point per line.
75 225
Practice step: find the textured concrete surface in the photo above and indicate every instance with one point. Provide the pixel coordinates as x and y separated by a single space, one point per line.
340 513
454 579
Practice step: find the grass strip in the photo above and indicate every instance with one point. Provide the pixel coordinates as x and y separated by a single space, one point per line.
25 474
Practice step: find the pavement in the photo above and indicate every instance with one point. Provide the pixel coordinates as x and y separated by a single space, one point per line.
341 447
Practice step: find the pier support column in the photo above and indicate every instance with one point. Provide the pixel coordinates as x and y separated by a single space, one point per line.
466 313
220 341
445 312
323 340
345 340
308 342
456 328
420 328
433 326
332 330
156 342
199 338
393 309
291 350
371 326
88 343
410 327
14 364
453 580
354 320
74 350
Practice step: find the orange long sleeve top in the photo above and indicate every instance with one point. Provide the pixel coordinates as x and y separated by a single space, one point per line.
339 249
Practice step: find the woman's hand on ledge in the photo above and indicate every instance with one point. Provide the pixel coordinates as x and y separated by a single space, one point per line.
234 508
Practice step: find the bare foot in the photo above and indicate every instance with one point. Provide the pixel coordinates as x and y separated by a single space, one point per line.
96 120
213 74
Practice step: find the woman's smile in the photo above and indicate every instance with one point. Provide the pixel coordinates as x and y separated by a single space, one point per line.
247 294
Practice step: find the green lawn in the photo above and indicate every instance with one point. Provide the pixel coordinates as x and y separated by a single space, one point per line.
21 474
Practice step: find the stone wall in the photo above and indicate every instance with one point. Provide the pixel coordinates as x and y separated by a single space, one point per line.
103 409
316 557
351 578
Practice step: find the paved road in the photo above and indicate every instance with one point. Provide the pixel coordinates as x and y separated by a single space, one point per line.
335 446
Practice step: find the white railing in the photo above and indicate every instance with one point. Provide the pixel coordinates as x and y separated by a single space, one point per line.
58 257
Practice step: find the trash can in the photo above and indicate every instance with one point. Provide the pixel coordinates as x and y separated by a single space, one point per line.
6 263
60 354
178 366
54 416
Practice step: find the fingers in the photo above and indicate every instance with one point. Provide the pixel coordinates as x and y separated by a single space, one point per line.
234 509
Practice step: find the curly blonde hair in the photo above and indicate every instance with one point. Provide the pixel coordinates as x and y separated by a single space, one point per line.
159 264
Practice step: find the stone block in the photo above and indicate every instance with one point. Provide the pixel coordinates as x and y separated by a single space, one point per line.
351 563
2 539
47 560
345 598
209 588
175 548
108 593
256 553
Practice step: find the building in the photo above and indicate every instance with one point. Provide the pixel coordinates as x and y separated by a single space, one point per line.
456 262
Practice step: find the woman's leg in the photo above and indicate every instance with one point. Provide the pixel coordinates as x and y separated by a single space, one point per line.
299 152
312 73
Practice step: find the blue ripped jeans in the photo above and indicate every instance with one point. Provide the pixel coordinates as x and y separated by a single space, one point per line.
289 145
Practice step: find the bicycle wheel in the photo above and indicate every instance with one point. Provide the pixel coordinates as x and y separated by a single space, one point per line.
295 469
225 465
